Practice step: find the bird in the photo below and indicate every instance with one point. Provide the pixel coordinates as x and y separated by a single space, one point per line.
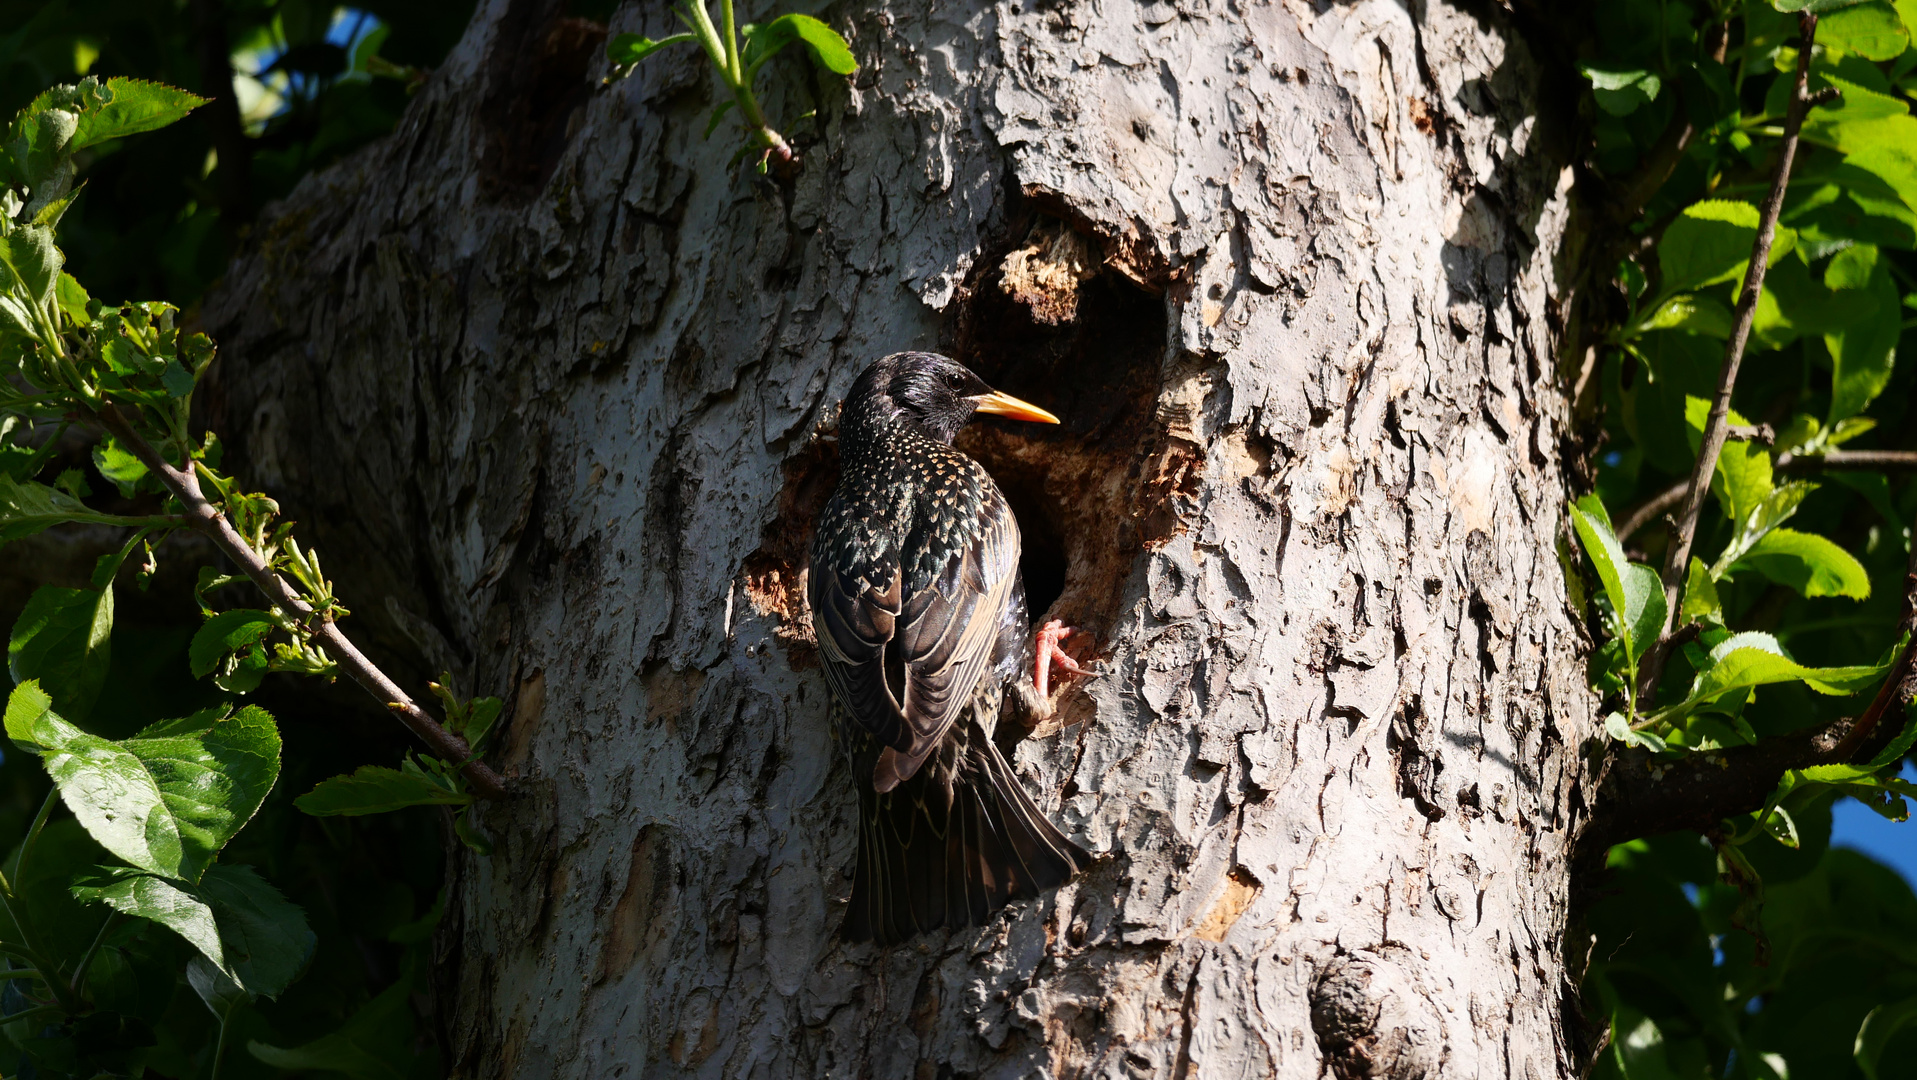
920 614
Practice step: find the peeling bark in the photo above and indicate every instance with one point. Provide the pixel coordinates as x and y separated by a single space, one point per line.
554 389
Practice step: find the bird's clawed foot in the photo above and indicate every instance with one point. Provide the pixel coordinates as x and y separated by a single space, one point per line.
1046 645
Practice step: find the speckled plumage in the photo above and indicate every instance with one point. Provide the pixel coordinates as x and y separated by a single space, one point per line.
921 619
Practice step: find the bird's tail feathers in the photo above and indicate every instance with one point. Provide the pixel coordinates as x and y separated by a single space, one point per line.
952 845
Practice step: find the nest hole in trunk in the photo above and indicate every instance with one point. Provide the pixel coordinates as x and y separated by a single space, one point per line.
1090 494
1043 320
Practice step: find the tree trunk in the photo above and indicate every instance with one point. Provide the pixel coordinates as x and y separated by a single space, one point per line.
553 387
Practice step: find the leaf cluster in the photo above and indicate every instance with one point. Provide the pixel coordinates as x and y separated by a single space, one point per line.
737 55
90 946
1787 611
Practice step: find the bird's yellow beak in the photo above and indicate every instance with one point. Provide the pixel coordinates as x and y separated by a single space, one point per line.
1006 405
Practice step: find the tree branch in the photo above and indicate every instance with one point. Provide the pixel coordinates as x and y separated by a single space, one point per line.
1717 424
1653 508
1642 795
1902 460
204 517
1645 796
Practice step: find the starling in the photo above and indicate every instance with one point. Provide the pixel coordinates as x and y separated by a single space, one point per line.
921 619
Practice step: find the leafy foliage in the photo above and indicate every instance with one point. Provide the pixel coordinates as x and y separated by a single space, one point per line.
1755 951
139 906
738 55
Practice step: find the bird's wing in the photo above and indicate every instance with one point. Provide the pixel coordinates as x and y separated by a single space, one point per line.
854 615
947 630
905 667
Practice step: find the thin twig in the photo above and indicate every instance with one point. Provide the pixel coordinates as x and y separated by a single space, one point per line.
79 980
206 518
1903 460
1658 505
1716 426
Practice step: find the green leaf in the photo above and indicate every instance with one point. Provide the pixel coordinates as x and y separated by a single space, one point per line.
176 379
1810 564
1711 242
625 50
1894 753
1700 603
125 360
1742 481
1691 314
119 465
712 124
242 925
215 988
376 789
1864 347
27 507
166 800
1814 6
1782 829
62 639
214 771
73 300
1879 1025
368 47
1870 30
1885 148
172 905
51 211
38 140
32 263
134 106
1852 268
1748 660
224 633
265 936
1638 1049
1646 607
479 722
828 49
1636 593
74 483
239 633
1777 506
18 459
372 1045
469 833
1773 510
1621 92
1619 728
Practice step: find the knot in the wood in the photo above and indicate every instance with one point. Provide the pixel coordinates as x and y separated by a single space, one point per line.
1375 1020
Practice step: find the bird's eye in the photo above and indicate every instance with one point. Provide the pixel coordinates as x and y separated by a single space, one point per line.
954 380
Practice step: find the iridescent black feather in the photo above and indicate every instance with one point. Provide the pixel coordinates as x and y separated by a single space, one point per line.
921 620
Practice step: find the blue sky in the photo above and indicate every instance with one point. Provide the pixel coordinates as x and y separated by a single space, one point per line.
1856 826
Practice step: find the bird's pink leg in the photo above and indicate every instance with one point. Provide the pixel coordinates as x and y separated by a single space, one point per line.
1046 645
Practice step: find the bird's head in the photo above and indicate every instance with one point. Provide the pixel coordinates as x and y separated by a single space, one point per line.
936 393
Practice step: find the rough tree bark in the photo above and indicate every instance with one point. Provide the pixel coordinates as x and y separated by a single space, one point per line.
554 387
